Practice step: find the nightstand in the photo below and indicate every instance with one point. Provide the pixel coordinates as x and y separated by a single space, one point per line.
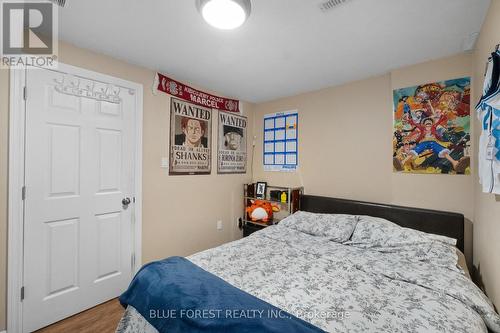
249 229
288 206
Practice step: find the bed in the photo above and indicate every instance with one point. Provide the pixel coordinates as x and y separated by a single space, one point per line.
378 277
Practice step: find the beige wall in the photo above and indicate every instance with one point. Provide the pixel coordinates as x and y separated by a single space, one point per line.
345 136
179 213
345 143
340 141
487 206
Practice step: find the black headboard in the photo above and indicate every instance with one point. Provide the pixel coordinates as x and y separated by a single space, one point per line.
431 221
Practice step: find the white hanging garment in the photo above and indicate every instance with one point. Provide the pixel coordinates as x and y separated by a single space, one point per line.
489 141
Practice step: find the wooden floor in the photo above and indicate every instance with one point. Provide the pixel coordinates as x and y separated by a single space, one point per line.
102 319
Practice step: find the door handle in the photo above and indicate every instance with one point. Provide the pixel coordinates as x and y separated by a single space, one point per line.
126 202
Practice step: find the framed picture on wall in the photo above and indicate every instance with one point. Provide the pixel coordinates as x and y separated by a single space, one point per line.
260 192
190 138
232 144
431 132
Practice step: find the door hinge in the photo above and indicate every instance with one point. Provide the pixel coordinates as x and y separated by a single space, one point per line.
23 193
25 93
133 262
22 293
133 199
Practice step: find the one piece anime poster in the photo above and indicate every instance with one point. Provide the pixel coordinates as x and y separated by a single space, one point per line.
232 144
190 138
432 128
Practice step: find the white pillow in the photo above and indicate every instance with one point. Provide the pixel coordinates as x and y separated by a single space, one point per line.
384 236
375 231
336 227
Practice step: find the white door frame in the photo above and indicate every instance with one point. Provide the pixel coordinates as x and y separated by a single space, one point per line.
16 182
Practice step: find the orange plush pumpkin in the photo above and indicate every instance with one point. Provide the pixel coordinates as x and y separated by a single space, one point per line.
261 210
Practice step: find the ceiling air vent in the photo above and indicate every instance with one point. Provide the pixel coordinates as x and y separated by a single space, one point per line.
331 4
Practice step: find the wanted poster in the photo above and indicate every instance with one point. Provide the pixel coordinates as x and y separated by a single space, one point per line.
190 138
232 147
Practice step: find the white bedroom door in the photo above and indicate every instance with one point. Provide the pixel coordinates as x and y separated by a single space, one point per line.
79 172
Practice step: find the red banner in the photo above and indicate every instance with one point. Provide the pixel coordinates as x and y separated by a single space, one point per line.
194 96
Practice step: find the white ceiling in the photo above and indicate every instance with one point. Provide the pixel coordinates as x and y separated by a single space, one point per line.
285 48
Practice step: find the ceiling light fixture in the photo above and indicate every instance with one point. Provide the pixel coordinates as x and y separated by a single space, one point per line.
224 14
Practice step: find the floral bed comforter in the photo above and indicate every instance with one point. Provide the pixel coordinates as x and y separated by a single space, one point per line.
348 288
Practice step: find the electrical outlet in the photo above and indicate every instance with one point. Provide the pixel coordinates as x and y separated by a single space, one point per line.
219 225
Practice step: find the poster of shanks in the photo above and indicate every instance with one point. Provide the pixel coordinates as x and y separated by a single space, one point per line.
190 138
232 145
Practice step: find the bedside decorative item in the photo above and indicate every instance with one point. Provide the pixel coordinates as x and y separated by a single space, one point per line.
275 195
261 210
250 190
284 197
282 200
260 193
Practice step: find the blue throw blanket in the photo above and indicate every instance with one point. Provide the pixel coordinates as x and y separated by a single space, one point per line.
175 295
